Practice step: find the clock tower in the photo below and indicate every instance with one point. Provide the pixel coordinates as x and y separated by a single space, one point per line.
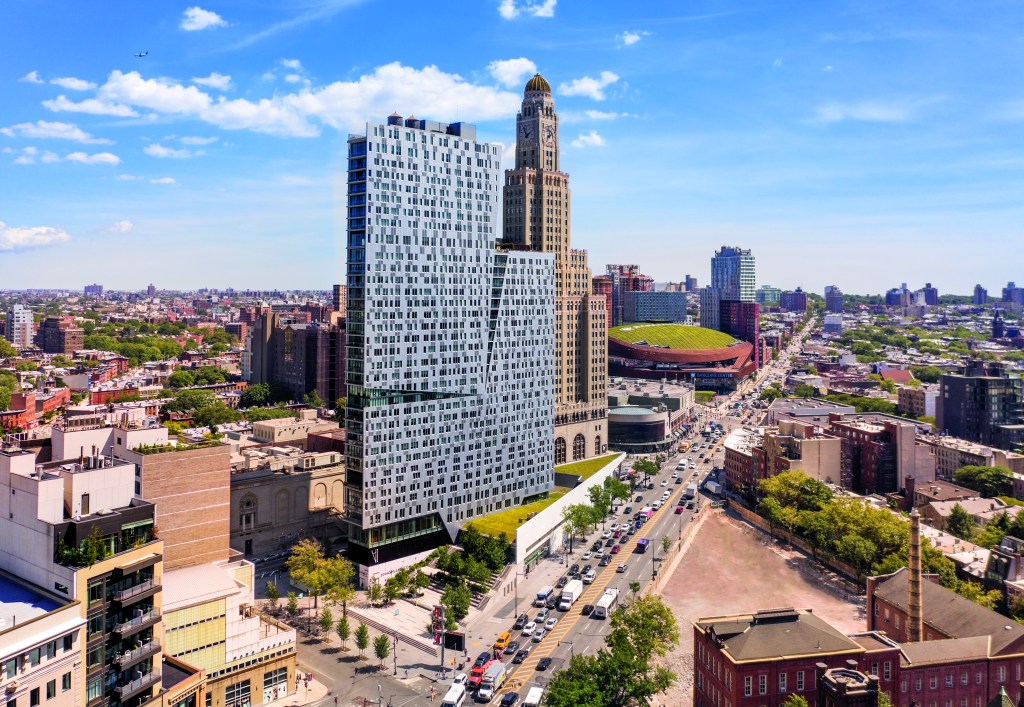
536 217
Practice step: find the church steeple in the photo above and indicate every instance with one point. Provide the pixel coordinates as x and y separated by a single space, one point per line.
537 128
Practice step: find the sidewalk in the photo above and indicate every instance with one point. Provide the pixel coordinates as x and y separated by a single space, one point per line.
312 694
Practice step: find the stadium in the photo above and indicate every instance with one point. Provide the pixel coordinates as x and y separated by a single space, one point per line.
709 359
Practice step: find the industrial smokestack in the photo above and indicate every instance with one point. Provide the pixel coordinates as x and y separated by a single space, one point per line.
914 610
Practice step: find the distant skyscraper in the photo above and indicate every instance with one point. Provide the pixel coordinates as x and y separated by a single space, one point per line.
732 274
93 291
931 294
1012 293
451 340
834 300
537 209
18 328
623 279
980 295
151 290
691 284
710 302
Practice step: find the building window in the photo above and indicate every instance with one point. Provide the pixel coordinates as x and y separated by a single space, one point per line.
12 703
933 683
51 649
69 641
903 685
247 518
579 447
597 445
917 684
762 684
977 678
949 679
799 680
887 670
65 682
237 695
559 451
95 592
874 669
782 682
965 678
10 668
33 697
94 689
32 659
51 689
1002 673
748 686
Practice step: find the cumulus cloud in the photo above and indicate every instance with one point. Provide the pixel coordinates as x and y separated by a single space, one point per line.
47 157
293 64
45 130
26 237
629 38
122 226
160 95
163 180
510 9
512 72
98 158
196 18
591 139
865 111
31 77
31 153
92 106
72 84
589 87
158 150
573 116
194 140
214 80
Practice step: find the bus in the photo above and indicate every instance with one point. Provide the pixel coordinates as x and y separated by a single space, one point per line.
684 447
455 697
545 593
606 604
641 545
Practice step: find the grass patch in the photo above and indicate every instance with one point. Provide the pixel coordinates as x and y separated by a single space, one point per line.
508 520
1011 501
585 468
674 336
704 396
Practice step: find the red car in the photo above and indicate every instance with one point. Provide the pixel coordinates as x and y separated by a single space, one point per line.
617 534
615 549
679 509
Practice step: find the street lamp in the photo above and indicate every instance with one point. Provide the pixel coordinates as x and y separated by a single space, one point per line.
394 652
380 697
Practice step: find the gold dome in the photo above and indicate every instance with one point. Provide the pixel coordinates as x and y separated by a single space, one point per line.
538 83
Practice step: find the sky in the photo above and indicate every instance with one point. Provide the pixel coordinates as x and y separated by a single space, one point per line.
856 143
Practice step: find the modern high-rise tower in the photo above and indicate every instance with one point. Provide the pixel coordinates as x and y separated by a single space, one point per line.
18 327
537 218
732 274
450 366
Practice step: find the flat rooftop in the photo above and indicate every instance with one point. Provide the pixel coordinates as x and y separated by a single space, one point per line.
19 604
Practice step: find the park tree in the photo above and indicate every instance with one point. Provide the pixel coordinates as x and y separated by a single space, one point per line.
362 639
989 481
340 573
326 620
306 566
180 379
375 592
927 374
771 510
960 523
293 603
795 700
344 631
381 649
273 595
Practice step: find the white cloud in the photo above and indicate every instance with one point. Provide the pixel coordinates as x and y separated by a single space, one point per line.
193 140
92 106
158 150
827 69
214 80
510 9
129 178
591 139
589 87
293 64
163 180
294 78
122 226
72 84
25 159
159 95
777 63
512 72
196 18
31 77
573 116
26 237
629 38
865 111
45 130
98 158
48 157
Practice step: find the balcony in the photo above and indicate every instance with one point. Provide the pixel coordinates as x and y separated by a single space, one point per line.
137 685
138 592
129 658
138 623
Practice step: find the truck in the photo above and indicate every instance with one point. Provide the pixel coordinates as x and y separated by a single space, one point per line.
493 679
570 593
543 595
606 603
476 675
533 697
691 491
713 487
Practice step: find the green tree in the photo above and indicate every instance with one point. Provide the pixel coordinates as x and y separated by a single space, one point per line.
616 490
188 400
362 639
339 574
375 592
806 391
634 588
989 481
256 395
771 510
344 632
273 595
313 400
795 700
381 649
960 523
306 566
927 374
180 379
666 545
857 552
293 603
6 350
215 414
326 620
645 467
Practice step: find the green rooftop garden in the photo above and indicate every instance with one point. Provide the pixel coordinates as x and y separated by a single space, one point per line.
675 336
586 468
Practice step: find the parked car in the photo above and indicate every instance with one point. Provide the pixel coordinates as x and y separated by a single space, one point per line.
588 609
544 663
521 621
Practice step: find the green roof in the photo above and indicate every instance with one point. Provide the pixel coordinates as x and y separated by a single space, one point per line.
673 336
586 468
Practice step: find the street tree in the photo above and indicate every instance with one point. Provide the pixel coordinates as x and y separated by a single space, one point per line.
374 592
362 639
666 545
381 649
306 566
344 631
326 620
795 700
293 603
273 595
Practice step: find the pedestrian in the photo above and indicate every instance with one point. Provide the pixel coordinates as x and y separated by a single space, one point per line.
406 673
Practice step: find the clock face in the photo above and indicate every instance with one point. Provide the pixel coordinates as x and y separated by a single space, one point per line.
525 131
549 134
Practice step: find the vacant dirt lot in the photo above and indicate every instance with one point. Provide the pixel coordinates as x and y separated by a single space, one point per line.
731 568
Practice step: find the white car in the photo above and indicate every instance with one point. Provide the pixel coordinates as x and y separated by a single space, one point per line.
587 579
460 679
606 534
529 628
675 474
550 623
656 505
613 527
539 635
665 482
587 555
599 554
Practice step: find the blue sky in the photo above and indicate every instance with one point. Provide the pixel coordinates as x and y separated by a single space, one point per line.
853 143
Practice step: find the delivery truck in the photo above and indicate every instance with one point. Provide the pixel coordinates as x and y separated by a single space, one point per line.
570 593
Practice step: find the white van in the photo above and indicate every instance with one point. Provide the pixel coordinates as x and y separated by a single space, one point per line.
455 697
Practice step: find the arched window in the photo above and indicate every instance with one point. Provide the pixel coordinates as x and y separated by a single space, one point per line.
247 515
559 451
597 445
579 447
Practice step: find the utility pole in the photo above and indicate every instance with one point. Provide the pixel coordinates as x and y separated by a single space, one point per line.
394 639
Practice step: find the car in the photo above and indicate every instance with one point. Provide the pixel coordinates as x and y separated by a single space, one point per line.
575 569
638 499
550 623
460 679
587 555
606 534
521 655
562 581
596 546
679 509
675 474
616 549
589 577
512 647
689 505
538 635
618 534
679 481
629 509
521 621
529 628
552 602
707 461
620 569
605 561
656 505
481 659
613 527
586 568
510 699
544 663
632 531
588 609
650 485
665 482
542 614
609 542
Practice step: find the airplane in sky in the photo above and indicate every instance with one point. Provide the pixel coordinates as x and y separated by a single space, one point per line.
141 54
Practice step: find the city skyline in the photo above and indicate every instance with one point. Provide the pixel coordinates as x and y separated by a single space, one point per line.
792 134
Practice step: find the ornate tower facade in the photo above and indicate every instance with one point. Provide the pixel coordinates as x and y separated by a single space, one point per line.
537 218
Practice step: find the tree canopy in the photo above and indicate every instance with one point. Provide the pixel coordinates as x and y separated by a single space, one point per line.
989 481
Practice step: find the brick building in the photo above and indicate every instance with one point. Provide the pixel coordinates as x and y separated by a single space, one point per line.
59 335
